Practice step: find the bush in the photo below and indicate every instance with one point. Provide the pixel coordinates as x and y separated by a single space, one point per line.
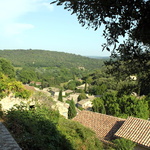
82 96
36 130
80 137
124 144
45 129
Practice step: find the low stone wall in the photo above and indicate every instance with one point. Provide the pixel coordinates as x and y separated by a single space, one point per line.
7 142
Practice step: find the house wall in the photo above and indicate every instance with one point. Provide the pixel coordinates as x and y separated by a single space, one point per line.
87 104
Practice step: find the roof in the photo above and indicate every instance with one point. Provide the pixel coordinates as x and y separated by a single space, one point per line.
136 130
31 88
83 101
68 91
54 89
104 125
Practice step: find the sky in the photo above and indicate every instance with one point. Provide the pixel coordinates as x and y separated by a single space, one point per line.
35 24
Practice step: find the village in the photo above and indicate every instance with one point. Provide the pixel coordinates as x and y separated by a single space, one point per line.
106 127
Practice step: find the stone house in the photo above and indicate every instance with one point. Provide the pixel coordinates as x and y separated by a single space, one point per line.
82 86
68 92
55 91
73 96
36 83
62 108
85 103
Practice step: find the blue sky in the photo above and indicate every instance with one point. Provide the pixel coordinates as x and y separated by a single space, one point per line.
36 24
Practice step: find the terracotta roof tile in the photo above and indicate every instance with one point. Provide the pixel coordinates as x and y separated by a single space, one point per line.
104 125
31 88
137 130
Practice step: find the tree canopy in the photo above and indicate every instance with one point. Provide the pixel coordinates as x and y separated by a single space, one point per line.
121 18
118 16
7 68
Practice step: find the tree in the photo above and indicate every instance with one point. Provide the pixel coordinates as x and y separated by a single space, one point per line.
26 75
60 96
134 59
134 106
124 144
8 86
7 68
82 96
119 17
71 110
98 105
111 103
98 89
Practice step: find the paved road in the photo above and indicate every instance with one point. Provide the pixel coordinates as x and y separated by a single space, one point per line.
7 142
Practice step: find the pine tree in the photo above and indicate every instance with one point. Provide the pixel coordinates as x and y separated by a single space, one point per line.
71 110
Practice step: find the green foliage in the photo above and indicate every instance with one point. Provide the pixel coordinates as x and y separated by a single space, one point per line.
98 105
127 87
82 96
111 103
60 98
72 84
7 68
25 94
134 106
1 112
79 90
42 58
81 138
124 144
26 75
3 85
98 89
121 68
8 86
118 17
123 106
44 129
71 110
36 129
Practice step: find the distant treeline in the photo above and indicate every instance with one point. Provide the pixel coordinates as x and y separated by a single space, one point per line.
43 58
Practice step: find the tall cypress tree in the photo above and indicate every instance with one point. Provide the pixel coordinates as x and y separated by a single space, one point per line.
71 110
60 96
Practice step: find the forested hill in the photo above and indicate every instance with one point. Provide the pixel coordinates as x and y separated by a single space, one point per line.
43 58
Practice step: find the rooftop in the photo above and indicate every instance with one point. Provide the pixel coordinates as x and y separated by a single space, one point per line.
136 130
104 126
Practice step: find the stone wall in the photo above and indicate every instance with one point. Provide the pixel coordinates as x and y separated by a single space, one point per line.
7 142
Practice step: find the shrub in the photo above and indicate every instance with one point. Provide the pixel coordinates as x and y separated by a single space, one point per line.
80 137
124 144
36 130
45 129
82 96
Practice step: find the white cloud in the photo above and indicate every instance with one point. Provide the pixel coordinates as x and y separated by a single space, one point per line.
16 28
12 10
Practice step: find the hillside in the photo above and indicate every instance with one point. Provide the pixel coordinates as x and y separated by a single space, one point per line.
43 58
